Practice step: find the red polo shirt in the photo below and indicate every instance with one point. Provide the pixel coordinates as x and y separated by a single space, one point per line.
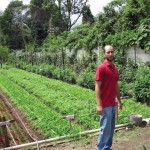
108 75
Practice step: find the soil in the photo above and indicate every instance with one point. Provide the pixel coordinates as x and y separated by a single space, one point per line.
20 128
135 138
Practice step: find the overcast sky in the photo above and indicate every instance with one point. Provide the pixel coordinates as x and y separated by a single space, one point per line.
95 5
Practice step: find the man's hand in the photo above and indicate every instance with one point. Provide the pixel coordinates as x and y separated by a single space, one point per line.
119 105
99 110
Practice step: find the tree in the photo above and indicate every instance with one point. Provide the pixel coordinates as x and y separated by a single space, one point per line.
3 54
41 12
143 34
111 18
82 37
87 15
134 12
70 8
9 23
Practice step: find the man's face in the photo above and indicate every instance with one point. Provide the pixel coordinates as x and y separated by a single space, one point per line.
109 53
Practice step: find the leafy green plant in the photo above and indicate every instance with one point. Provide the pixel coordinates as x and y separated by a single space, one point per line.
41 98
142 84
86 79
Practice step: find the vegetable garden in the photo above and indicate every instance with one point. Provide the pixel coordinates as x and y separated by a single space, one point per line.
46 101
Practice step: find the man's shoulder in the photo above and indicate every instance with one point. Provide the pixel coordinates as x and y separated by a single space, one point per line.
102 65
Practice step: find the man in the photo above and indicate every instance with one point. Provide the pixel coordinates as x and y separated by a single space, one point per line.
107 91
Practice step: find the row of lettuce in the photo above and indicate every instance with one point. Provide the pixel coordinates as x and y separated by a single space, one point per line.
131 81
46 101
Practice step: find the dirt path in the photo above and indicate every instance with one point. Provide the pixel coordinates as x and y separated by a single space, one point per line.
133 139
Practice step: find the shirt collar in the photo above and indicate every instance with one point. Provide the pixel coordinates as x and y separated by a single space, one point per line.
107 64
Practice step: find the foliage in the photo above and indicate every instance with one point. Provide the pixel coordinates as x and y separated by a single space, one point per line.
126 89
56 99
142 84
134 12
9 23
121 39
87 15
4 51
86 79
122 23
68 8
48 120
56 95
143 35
40 14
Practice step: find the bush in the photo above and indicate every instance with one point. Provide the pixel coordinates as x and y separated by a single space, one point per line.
142 84
57 73
69 76
86 79
126 89
46 70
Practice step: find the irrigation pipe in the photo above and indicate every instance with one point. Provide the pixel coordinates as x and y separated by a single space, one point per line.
59 138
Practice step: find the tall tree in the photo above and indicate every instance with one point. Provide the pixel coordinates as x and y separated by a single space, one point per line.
3 54
41 11
87 16
134 12
9 23
70 8
143 34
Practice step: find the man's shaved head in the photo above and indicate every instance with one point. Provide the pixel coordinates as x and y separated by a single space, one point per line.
108 47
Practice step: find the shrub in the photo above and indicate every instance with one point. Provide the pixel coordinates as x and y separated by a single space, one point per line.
69 76
126 89
86 79
46 70
142 84
57 73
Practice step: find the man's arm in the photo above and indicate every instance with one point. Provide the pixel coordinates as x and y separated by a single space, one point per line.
98 97
118 98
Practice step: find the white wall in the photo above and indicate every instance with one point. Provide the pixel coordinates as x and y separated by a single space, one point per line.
138 54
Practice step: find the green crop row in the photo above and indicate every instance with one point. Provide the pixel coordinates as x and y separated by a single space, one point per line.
45 101
49 121
59 96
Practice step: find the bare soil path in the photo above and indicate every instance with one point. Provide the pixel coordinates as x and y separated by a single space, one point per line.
134 139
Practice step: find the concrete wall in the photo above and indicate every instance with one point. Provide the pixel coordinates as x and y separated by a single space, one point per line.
138 54
135 54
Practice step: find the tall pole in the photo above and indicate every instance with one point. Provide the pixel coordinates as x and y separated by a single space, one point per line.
134 53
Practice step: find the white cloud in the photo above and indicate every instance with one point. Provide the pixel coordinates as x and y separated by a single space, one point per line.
96 6
4 4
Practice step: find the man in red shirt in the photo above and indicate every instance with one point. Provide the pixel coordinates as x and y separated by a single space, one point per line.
107 91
